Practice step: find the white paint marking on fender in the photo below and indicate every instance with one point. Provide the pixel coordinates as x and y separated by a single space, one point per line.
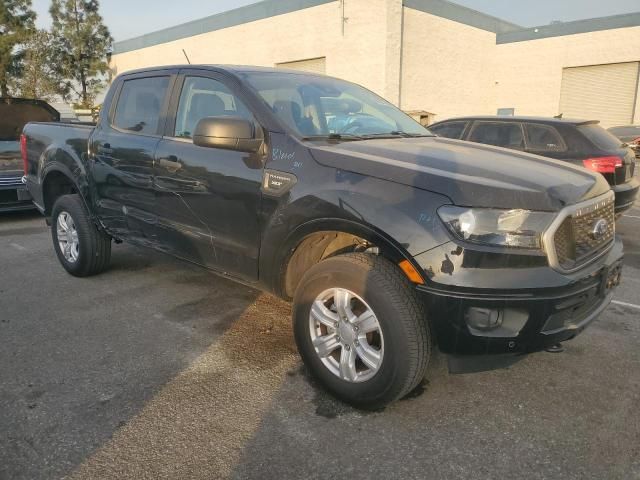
625 304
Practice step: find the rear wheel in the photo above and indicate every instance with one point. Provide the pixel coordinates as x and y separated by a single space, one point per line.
361 330
82 249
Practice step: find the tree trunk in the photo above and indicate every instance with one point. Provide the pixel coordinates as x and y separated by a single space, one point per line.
4 88
85 99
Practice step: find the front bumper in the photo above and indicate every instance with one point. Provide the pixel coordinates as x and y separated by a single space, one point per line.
540 307
14 195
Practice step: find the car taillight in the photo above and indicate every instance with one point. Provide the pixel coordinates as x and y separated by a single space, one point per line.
23 151
603 164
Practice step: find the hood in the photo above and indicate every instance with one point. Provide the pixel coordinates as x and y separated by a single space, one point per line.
469 174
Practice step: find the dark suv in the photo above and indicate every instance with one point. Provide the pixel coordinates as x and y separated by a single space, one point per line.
580 142
15 113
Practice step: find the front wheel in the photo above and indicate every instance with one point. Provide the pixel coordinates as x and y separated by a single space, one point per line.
361 330
82 249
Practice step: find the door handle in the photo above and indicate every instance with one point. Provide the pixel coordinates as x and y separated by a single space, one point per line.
105 149
172 164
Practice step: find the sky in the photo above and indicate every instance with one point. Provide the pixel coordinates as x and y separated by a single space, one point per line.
131 18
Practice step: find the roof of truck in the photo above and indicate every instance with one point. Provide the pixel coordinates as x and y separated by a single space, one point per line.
222 67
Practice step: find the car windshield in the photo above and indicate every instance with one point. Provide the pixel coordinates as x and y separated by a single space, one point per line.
314 106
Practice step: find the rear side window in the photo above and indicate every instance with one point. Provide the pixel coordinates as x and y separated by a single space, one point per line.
449 130
140 103
544 138
600 137
501 134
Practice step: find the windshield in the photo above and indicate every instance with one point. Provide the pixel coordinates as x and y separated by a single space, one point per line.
313 106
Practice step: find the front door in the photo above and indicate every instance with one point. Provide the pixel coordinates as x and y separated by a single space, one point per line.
122 155
208 199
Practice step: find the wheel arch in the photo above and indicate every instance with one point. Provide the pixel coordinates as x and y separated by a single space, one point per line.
318 239
57 181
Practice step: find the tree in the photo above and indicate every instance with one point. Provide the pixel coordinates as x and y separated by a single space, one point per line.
17 22
81 43
39 79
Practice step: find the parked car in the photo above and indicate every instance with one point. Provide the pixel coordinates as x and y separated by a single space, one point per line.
580 142
630 135
15 113
387 238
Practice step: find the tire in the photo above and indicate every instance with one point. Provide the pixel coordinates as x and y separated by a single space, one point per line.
93 251
402 350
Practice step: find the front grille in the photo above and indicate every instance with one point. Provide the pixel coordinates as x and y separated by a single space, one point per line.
576 241
11 181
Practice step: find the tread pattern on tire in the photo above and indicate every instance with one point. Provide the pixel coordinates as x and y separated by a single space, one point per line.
98 243
412 313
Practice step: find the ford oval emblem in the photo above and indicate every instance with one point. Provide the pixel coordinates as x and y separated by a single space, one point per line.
600 228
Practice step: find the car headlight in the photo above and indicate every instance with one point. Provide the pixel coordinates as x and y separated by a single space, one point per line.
500 228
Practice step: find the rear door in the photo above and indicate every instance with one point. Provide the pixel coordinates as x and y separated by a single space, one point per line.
123 148
208 199
453 129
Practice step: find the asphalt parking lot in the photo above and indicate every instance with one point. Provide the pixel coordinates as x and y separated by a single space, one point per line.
157 369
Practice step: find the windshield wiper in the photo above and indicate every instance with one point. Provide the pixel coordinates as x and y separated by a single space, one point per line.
334 136
396 133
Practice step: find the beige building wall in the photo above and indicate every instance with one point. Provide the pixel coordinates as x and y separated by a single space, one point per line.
529 73
362 55
447 67
417 60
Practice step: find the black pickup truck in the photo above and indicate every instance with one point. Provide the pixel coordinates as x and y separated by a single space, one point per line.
387 239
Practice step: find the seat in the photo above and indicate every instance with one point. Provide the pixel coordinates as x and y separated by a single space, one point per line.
204 105
291 113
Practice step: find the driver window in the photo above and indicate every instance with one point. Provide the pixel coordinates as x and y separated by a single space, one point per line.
204 97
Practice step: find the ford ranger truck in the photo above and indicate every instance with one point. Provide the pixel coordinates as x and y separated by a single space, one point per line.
388 240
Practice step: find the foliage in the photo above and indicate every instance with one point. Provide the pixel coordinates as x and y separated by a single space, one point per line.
39 78
81 45
17 23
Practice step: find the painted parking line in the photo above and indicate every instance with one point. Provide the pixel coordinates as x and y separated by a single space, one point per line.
625 304
631 216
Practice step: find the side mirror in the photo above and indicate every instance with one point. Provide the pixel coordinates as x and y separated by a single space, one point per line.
228 133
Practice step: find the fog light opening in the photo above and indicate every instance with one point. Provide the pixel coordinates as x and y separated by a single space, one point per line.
484 318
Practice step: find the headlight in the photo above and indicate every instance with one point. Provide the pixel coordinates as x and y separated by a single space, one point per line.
501 228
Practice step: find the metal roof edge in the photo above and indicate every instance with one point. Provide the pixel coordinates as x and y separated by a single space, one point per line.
559 29
461 14
238 16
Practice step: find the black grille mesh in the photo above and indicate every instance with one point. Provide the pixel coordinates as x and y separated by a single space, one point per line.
574 241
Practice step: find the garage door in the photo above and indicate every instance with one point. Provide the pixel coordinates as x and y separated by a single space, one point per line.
314 65
600 92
